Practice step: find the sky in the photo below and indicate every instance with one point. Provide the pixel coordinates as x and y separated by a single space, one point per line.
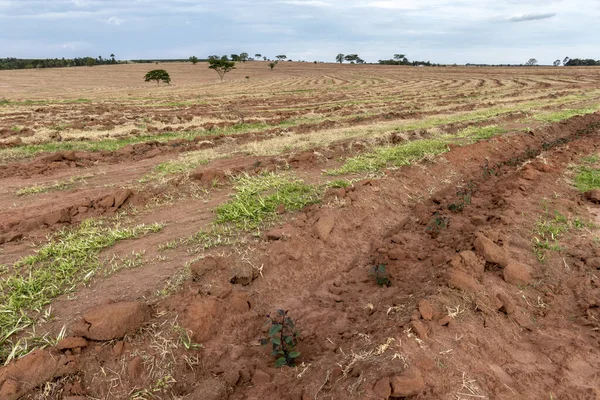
441 31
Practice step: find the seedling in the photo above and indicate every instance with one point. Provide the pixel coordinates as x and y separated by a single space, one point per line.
382 278
438 223
464 198
283 336
489 171
185 339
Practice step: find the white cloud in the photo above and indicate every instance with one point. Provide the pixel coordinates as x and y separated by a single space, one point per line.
531 17
114 20
394 5
312 3
438 30
72 46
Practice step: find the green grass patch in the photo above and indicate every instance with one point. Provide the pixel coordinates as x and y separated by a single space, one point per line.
481 133
70 258
257 198
392 156
591 160
177 166
587 179
550 228
562 115
339 183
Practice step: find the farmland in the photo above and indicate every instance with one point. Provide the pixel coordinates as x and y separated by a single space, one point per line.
432 232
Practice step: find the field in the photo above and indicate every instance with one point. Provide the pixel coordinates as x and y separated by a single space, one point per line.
432 233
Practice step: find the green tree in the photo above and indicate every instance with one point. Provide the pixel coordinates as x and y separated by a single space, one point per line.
353 59
401 58
213 57
112 59
194 60
243 57
158 75
235 57
221 67
90 62
339 58
281 57
531 62
264 58
556 63
272 65
566 60
257 56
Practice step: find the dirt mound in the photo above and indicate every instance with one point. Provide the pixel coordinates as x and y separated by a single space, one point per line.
32 371
44 164
112 321
15 225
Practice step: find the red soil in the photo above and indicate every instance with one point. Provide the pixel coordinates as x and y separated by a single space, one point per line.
470 313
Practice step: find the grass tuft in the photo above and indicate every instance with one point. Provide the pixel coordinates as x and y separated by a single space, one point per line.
257 198
587 179
481 133
392 156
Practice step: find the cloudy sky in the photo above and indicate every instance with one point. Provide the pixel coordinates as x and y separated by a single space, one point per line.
445 31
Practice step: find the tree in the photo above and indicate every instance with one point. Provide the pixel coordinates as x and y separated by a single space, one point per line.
556 63
235 57
532 62
339 58
264 58
90 62
353 59
158 75
401 58
112 59
243 57
281 57
213 57
194 60
272 65
221 66
258 56
566 60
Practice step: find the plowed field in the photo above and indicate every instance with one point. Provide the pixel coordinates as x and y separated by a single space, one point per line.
432 233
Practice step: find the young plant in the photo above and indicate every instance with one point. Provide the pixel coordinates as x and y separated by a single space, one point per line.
464 198
283 337
489 171
380 273
437 223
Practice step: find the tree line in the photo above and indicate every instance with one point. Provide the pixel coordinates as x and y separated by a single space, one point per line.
532 62
398 59
401 59
23 63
